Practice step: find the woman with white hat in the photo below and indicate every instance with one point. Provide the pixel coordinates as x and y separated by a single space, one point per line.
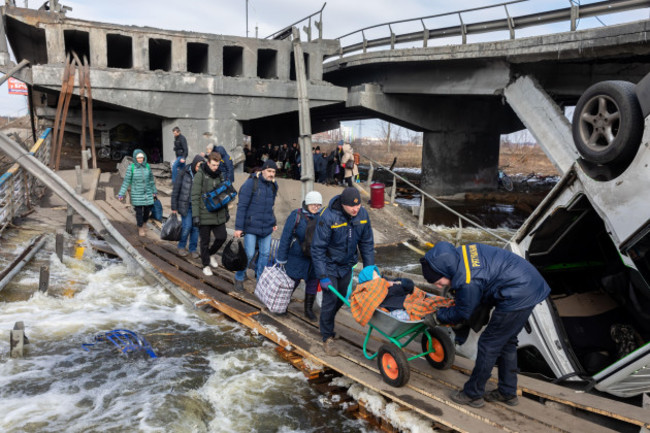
294 250
139 178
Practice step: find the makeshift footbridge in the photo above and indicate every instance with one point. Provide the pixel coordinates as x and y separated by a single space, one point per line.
427 393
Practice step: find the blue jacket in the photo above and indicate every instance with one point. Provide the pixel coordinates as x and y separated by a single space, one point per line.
334 247
226 165
482 274
255 209
319 162
289 252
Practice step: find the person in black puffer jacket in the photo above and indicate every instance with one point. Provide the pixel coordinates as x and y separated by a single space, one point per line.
182 204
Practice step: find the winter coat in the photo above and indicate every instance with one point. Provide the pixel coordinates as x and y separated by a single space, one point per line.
337 236
348 155
319 163
204 181
482 274
180 146
289 252
255 208
182 192
226 166
140 179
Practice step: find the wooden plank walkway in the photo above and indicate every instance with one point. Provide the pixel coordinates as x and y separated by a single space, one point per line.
427 391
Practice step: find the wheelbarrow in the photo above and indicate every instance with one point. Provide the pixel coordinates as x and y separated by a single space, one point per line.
437 347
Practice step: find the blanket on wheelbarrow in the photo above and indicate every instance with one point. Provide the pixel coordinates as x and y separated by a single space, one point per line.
368 296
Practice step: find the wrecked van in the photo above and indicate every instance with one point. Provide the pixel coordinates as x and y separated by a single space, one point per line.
590 239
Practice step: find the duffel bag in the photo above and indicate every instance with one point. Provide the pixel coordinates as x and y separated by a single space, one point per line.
220 197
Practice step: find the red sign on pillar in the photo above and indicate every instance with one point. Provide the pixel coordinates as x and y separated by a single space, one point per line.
16 87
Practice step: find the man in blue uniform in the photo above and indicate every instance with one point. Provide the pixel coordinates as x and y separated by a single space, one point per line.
484 275
343 227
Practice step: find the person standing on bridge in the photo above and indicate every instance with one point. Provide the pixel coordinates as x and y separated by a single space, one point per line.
180 150
139 178
255 219
208 178
347 163
482 275
182 203
294 252
343 227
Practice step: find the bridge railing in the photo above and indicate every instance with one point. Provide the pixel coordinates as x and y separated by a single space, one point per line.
424 196
286 32
18 189
508 23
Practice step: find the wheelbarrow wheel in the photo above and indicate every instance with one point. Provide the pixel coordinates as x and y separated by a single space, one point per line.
443 351
393 365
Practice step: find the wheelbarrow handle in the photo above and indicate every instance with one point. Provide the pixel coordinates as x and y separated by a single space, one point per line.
341 297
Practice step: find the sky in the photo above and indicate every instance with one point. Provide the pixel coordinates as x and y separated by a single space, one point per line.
339 18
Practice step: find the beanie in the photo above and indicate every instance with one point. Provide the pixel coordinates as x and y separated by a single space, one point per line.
269 163
350 196
313 197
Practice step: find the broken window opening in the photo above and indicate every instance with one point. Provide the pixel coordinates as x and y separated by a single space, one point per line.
33 47
267 65
292 67
78 42
197 58
233 61
160 54
119 51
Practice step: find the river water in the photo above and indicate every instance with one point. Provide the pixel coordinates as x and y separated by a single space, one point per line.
210 376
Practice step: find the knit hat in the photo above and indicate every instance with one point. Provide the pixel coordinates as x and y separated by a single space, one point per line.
313 197
350 196
269 163
428 272
140 154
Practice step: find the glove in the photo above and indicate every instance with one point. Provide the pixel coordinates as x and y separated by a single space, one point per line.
120 197
431 320
155 196
195 221
325 283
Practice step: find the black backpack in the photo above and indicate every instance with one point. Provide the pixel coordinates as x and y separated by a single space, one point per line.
305 245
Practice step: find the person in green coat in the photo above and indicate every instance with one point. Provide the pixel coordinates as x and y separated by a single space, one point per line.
139 178
208 178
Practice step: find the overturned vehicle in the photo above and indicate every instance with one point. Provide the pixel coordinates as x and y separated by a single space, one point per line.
590 239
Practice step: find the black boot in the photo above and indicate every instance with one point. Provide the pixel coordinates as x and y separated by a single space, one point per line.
309 304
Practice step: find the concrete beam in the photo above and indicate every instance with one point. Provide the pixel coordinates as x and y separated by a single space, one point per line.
544 119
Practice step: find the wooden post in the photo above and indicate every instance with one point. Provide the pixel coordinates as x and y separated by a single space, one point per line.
421 216
44 279
59 245
371 172
393 191
17 340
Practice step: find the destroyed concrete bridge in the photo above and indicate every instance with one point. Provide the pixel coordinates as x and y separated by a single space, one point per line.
463 97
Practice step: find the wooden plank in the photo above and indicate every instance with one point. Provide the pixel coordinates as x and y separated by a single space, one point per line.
578 399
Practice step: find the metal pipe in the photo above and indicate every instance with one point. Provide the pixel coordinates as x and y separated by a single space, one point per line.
18 67
31 251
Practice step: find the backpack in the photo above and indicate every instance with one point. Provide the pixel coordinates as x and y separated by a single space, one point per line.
305 245
357 158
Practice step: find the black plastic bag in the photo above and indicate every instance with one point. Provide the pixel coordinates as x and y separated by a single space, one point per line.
171 230
234 256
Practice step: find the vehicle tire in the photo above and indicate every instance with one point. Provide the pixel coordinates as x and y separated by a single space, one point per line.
393 365
608 123
444 354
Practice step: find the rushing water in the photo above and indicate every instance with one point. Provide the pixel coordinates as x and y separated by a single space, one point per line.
210 376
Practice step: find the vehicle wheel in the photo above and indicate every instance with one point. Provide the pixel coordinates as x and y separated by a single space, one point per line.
104 153
607 123
393 365
443 355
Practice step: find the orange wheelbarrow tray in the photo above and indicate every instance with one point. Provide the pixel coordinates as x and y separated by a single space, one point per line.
437 347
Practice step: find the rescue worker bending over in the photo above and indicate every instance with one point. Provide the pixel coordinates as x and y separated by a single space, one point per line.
343 227
482 275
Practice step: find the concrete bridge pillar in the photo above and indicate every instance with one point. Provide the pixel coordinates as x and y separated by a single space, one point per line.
460 158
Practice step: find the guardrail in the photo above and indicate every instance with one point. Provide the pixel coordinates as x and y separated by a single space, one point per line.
18 188
287 31
508 23
426 195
